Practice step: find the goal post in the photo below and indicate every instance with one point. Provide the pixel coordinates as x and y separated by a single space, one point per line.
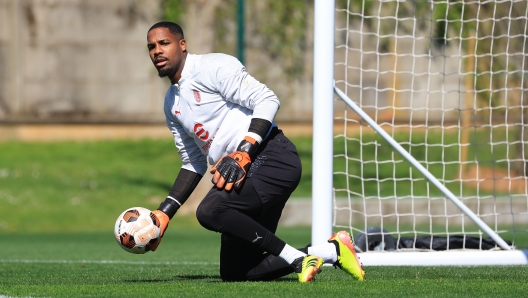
323 122
428 126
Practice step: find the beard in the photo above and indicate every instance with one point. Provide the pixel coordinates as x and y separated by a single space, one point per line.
166 71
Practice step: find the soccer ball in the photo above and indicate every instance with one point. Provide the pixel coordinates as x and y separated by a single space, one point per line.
136 229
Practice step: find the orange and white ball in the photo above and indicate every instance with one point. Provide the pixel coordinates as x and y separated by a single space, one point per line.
136 229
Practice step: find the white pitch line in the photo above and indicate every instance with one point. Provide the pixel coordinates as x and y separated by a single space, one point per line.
106 262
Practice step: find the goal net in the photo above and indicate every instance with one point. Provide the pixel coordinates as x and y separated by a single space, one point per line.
445 81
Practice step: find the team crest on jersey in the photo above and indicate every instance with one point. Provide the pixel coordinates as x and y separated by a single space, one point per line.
200 132
197 96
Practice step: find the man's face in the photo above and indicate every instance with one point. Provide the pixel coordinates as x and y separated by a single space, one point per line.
167 52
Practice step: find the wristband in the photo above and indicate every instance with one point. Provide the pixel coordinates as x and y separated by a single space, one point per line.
248 145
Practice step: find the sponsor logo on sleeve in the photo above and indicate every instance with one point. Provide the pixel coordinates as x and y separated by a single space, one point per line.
197 96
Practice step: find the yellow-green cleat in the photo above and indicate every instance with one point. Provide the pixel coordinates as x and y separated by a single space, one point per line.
307 267
347 258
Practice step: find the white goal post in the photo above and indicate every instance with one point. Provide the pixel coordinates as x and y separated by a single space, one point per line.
426 138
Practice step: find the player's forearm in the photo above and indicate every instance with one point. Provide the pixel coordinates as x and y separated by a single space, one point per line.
259 128
258 97
267 109
183 186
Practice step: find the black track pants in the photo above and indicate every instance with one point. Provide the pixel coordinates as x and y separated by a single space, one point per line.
248 217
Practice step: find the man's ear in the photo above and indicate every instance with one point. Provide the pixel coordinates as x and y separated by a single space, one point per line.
183 44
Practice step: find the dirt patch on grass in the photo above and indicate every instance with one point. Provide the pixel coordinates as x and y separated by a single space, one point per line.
495 179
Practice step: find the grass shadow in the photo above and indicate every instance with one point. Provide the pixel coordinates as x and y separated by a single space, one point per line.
211 278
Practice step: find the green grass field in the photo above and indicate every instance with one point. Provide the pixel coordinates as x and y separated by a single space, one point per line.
59 202
186 265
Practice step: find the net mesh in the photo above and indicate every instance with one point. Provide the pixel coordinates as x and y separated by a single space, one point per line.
446 80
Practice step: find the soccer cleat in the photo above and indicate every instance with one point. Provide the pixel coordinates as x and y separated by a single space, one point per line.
347 258
307 267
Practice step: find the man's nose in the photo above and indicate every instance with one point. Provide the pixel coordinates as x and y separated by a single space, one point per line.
157 49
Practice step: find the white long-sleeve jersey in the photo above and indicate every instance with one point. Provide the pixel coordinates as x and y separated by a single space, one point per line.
209 110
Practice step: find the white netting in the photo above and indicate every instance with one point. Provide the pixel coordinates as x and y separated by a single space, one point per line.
446 80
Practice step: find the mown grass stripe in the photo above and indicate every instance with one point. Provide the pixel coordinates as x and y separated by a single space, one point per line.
105 262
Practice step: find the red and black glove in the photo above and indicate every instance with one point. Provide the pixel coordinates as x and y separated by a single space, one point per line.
230 171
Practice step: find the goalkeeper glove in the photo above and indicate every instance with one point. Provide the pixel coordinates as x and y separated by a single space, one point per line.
164 223
230 171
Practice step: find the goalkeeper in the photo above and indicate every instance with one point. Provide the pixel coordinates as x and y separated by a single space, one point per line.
219 114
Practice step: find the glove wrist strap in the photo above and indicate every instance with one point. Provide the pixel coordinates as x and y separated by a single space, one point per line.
169 207
248 145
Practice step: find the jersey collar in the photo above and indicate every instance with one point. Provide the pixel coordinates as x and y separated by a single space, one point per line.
190 60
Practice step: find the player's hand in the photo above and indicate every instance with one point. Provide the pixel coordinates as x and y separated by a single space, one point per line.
230 171
164 223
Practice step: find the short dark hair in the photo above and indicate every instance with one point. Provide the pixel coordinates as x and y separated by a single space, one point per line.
173 28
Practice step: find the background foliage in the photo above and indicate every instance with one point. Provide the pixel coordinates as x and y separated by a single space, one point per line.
277 27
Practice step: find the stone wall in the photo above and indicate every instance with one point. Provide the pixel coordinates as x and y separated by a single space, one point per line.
86 61
75 60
